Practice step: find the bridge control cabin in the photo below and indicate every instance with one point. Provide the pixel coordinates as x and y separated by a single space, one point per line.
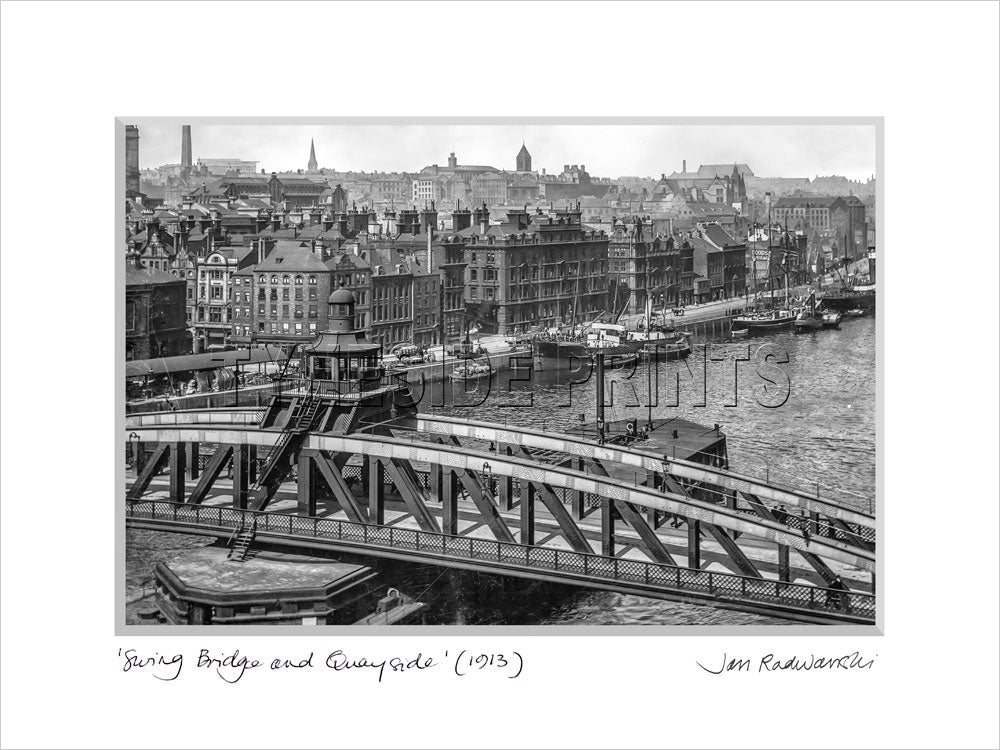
341 382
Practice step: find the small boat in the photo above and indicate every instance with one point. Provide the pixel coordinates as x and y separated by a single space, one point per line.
471 371
808 320
855 312
831 318
772 320
666 349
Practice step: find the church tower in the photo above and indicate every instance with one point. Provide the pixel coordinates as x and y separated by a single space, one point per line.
523 160
313 166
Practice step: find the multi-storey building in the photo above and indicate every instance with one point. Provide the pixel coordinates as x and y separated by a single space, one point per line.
635 263
532 271
425 189
727 262
154 312
224 167
842 218
219 303
287 293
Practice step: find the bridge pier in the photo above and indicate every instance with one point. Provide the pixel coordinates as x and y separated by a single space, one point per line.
307 484
579 496
528 514
784 563
241 478
506 495
375 478
193 456
178 455
608 514
694 544
449 502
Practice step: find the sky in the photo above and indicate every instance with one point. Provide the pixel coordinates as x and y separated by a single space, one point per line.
606 150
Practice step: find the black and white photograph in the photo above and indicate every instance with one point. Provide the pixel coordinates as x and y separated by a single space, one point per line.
518 373
368 388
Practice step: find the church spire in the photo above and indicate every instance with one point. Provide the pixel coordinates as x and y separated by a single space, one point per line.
313 166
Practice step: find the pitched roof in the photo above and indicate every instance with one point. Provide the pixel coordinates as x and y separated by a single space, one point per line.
719 236
139 275
291 256
815 201
725 169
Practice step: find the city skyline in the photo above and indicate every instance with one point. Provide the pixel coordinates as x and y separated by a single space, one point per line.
808 150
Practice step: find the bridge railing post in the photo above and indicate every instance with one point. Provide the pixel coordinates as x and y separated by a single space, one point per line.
390 537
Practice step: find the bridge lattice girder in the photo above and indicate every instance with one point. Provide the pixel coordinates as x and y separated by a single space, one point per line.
397 455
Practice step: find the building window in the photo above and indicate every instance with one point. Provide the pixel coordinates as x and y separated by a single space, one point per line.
298 279
298 328
284 327
284 279
312 279
284 311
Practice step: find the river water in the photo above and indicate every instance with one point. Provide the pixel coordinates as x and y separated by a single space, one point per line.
798 409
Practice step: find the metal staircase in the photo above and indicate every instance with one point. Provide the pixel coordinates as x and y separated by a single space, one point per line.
272 471
241 542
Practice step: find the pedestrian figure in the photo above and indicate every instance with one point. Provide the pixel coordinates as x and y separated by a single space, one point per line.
781 515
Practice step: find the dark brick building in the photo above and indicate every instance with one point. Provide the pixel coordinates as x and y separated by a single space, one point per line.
155 317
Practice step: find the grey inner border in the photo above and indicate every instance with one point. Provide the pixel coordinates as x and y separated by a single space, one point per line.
121 629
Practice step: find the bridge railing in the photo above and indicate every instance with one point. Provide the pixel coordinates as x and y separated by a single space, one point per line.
722 586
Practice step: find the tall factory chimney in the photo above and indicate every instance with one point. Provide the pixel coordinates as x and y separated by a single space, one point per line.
185 151
131 159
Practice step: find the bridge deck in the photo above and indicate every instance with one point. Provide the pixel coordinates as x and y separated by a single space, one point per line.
652 579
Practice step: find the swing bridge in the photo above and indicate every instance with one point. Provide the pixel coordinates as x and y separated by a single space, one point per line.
340 460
